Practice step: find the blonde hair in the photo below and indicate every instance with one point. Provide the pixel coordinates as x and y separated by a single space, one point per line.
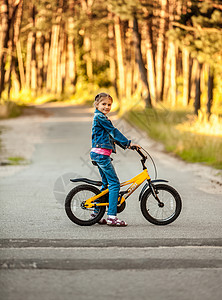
100 97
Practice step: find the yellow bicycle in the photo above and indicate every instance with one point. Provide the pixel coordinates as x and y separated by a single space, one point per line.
160 203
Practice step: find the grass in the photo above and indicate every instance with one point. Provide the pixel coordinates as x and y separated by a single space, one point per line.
10 109
192 139
17 160
0 139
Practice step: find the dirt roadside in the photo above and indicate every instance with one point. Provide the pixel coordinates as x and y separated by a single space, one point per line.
19 136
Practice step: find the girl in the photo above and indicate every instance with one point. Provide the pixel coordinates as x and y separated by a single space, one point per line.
104 138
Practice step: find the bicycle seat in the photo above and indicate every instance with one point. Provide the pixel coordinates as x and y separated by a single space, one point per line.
94 182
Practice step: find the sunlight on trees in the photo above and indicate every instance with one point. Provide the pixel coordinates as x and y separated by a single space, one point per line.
162 52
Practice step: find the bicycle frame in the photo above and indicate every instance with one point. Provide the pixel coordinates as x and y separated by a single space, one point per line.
135 183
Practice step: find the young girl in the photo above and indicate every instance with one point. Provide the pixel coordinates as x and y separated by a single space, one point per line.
104 138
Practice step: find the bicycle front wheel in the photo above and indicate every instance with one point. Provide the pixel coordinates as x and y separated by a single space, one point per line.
161 214
75 209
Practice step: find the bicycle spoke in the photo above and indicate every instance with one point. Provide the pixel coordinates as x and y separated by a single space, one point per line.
78 199
161 213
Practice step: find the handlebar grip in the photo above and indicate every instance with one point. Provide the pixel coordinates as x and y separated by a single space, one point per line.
133 148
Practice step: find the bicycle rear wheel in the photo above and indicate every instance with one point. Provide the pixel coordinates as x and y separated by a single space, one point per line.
161 214
74 206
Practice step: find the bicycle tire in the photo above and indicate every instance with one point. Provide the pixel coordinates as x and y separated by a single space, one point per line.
76 212
161 215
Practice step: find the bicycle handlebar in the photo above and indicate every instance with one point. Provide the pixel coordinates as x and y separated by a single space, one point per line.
144 158
139 151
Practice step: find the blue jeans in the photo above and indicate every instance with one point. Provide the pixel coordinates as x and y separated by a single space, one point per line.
110 178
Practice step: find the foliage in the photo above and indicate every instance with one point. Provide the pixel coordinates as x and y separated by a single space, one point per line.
127 10
71 50
201 33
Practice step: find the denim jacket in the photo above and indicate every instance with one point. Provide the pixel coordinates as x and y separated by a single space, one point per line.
105 135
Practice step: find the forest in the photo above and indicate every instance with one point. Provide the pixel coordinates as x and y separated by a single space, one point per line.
160 53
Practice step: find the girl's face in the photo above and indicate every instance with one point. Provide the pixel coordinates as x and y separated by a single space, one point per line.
105 106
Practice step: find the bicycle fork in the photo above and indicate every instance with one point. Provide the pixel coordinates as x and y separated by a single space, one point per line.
155 193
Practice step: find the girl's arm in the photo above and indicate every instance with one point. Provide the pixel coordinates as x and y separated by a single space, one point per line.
113 131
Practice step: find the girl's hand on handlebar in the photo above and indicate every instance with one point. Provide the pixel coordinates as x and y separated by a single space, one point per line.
134 146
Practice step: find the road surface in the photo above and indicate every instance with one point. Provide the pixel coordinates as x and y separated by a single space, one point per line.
46 256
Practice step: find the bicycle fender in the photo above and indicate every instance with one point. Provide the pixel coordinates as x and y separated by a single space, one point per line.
86 180
146 186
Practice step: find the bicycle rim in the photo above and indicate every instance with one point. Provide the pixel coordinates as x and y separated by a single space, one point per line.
77 205
156 214
161 213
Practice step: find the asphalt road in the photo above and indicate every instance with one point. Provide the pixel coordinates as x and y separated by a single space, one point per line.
43 255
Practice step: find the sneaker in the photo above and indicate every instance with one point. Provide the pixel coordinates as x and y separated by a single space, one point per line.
116 222
101 222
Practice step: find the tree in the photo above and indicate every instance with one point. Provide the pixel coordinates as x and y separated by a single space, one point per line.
140 63
152 48
11 13
199 32
160 49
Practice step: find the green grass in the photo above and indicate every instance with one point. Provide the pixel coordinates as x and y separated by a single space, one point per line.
162 126
17 160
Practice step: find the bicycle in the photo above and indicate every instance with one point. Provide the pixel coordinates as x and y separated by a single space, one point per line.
160 203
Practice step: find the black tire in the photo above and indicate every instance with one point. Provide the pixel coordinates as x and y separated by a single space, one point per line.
74 209
121 207
161 215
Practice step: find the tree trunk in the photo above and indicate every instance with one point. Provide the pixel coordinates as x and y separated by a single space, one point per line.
54 58
15 22
63 61
34 65
31 72
132 63
88 58
119 49
49 66
197 103
136 77
4 37
71 70
16 83
20 64
140 63
71 62
28 60
11 14
112 63
11 61
160 50
186 76
167 77
39 59
172 55
59 66
87 42
173 74
46 59
210 90
150 56
129 56
194 68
